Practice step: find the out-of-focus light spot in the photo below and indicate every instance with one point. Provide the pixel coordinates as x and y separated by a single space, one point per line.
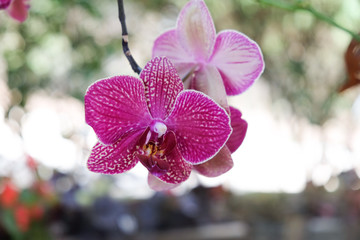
63 184
321 174
11 41
132 184
11 146
91 138
356 186
356 108
303 20
22 176
211 182
332 185
43 140
52 56
127 223
45 173
42 6
16 113
38 62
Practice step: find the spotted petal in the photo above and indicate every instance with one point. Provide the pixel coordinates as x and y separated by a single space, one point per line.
201 126
219 164
18 9
115 158
115 106
178 171
158 185
239 127
196 30
162 85
238 59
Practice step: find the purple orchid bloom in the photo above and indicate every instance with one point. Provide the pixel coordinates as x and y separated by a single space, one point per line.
17 9
155 121
218 65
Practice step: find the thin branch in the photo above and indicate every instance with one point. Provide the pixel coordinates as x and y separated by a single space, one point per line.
125 39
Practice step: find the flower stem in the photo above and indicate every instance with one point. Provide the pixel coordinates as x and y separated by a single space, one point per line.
305 6
125 39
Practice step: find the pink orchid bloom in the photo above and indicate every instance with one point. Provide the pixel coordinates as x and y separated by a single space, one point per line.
4 4
17 9
218 65
155 121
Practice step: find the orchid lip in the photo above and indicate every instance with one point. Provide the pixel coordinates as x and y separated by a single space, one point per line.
152 156
153 152
154 164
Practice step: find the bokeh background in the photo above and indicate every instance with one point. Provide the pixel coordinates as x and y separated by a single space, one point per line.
296 176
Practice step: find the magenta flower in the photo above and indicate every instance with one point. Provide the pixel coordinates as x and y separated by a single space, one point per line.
218 65
155 121
4 3
17 9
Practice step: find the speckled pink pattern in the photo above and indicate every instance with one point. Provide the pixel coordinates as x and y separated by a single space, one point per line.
162 85
201 126
115 158
115 106
153 120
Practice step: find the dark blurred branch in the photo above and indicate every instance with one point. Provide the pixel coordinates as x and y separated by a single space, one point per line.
125 38
305 6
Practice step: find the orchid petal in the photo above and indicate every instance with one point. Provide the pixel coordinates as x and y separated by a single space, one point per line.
219 164
4 4
238 59
162 85
201 126
115 158
158 185
18 10
208 81
178 171
239 127
115 106
196 30
167 44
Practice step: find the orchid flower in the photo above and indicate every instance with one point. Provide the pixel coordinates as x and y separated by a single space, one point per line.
4 4
17 9
218 65
155 121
